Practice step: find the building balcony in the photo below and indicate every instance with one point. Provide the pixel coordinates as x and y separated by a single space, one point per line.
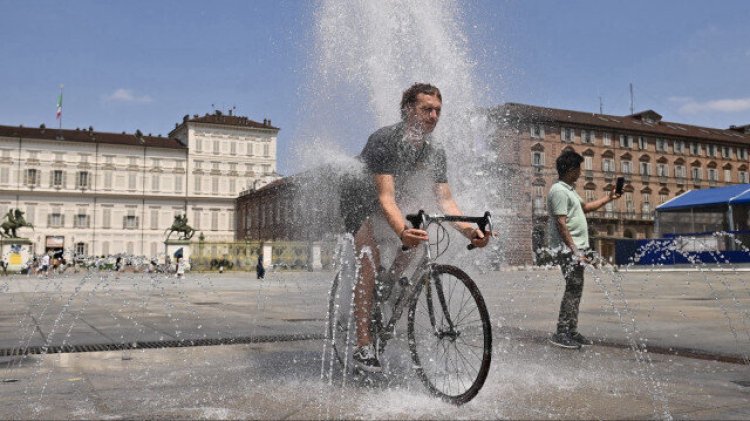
680 180
609 175
645 178
712 183
628 178
588 174
663 179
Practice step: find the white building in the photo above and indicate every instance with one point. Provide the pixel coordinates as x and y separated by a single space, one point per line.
106 193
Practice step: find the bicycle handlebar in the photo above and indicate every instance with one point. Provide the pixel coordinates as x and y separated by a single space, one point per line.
421 219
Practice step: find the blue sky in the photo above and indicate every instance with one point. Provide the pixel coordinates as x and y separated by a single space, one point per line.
144 64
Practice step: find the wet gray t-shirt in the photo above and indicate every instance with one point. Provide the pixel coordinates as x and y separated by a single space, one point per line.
388 152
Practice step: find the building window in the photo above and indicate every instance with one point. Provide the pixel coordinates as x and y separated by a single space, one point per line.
663 198
645 168
266 150
214 220
106 218
742 153
57 178
233 148
4 175
629 205
589 195
81 221
696 174
55 220
178 184
132 181
198 183
588 163
214 185
154 219
155 182
217 147
679 171
130 222
695 148
606 139
642 143
81 249
82 180
662 170
626 142
711 150
232 186
107 180
679 146
105 248
728 175
537 131
537 159
646 204
608 165
725 152
587 136
566 134
31 177
743 177
625 167
197 219
661 145
712 174
198 144
30 213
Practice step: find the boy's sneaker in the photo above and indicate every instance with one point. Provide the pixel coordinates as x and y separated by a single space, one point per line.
564 340
584 341
366 360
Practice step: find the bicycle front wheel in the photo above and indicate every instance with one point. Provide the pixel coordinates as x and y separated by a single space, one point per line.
450 336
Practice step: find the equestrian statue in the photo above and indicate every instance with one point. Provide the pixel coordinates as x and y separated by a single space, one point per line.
13 221
180 226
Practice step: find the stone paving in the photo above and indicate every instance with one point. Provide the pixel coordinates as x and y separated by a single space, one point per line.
702 312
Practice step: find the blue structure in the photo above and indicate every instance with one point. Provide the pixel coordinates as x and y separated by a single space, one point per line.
688 225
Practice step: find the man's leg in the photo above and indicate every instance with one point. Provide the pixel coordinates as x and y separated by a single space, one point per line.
568 319
365 289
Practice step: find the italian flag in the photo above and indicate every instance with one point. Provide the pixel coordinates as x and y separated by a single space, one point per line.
58 115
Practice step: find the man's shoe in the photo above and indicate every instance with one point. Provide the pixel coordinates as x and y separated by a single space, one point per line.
584 341
366 360
564 340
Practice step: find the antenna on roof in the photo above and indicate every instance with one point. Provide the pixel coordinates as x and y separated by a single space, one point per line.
601 105
632 104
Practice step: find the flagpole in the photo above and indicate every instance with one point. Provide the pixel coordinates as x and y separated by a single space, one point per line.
59 106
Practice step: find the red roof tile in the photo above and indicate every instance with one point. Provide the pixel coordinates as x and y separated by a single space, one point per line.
86 136
652 124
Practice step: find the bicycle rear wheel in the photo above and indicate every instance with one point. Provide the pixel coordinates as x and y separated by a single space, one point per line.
450 336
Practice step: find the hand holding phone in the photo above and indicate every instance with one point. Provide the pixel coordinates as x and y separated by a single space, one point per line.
620 184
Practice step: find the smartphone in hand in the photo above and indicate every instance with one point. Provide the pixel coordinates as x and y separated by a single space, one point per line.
620 184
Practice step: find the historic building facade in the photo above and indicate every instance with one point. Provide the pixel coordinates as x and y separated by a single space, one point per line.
659 160
105 193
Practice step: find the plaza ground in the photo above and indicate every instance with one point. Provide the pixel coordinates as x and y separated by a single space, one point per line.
277 372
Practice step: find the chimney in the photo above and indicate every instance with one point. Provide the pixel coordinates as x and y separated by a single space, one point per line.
230 112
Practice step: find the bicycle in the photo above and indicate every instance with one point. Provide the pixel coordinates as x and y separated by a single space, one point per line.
448 325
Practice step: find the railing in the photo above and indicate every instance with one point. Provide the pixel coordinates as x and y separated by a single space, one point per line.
589 174
663 179
712 183
630 215
645 178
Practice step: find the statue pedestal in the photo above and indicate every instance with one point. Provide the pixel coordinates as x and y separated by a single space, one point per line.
173 246
16 252
314 263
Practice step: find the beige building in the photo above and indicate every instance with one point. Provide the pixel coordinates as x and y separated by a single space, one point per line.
659 160
102 193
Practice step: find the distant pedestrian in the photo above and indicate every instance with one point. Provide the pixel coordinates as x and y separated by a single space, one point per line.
260 271
568 235
180 268
118 264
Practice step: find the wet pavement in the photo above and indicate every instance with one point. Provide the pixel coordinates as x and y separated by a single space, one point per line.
703 315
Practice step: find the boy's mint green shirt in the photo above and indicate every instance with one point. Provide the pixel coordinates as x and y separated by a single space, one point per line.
563 200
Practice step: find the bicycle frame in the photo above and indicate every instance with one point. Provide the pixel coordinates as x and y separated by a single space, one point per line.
423 273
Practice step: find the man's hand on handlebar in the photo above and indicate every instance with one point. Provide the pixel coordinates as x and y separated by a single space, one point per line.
479 238
411 237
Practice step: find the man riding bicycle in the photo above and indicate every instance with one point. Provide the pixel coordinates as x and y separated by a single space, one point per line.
401 163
